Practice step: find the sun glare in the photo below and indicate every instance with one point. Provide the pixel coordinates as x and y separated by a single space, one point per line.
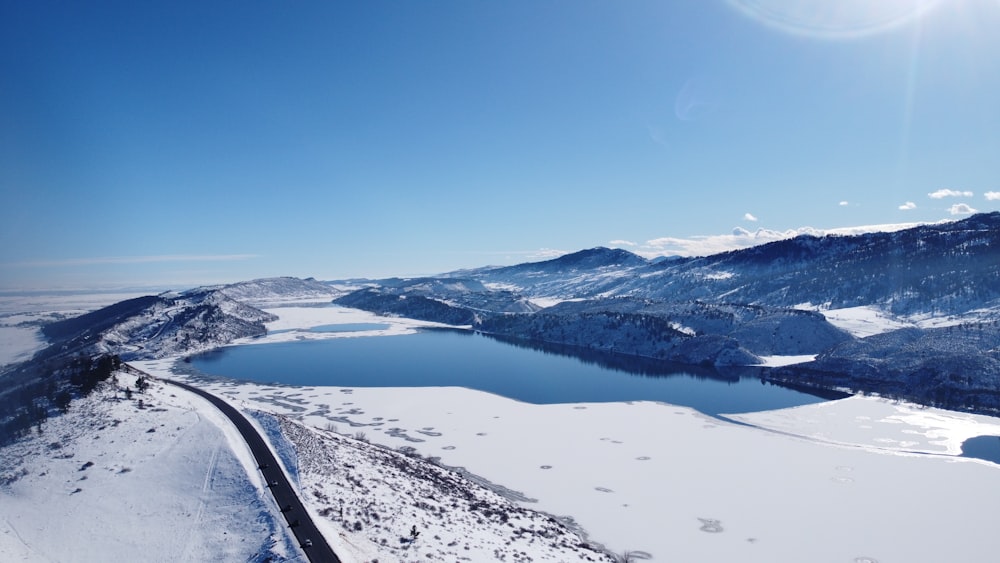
834 19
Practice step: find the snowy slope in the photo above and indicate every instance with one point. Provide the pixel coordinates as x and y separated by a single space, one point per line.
159 477
372 497
104 481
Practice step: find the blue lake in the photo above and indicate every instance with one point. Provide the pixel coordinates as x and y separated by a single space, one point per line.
982 447
539 374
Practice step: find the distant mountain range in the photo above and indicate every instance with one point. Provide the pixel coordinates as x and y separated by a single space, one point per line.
940 269
734 308
940 282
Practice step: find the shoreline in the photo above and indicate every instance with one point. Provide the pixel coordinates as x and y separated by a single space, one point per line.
612 467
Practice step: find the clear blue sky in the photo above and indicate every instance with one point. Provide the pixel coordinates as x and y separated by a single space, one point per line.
179 143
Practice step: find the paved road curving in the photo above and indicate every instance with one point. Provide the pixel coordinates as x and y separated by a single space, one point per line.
312 541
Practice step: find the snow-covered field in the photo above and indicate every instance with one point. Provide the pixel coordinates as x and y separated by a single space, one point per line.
862 321
853 481
867 321
860 479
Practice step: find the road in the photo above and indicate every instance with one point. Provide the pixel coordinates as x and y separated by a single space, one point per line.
312 541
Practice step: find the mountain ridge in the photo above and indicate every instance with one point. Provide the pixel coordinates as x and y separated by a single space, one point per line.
735 307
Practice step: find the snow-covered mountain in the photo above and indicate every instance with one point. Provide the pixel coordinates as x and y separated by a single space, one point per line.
146 327
155 326
270 291
586 273
736 307
940 269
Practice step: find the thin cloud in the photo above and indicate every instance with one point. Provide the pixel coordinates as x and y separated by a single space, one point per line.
961 209
749 217
992 196
945 192
620 242
908 206
134 260
844 203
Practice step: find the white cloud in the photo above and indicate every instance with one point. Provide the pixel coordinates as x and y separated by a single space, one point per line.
619 242
844 203
908 206
749 217
944 192
992 196
742 238
961 209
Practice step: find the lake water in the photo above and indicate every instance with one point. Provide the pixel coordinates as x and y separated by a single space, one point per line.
530 373
982 447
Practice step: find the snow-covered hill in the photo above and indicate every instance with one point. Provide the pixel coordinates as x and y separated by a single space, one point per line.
272 291
161 475
739 307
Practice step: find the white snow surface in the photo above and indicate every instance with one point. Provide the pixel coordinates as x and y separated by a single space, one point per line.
171 480
863 321
778 361
681 486
860 479
867 321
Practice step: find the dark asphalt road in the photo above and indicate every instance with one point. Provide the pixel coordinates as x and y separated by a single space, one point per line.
291 506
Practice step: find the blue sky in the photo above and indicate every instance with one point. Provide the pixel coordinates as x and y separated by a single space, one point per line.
174 144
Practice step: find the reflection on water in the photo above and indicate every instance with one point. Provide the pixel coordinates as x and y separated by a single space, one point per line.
625 363
525 371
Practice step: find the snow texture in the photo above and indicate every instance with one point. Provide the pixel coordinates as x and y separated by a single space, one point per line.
158 477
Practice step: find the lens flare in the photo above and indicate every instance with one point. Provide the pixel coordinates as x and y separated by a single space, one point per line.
834 19
694 101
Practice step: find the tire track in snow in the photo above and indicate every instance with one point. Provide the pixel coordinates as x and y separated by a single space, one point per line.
206 487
